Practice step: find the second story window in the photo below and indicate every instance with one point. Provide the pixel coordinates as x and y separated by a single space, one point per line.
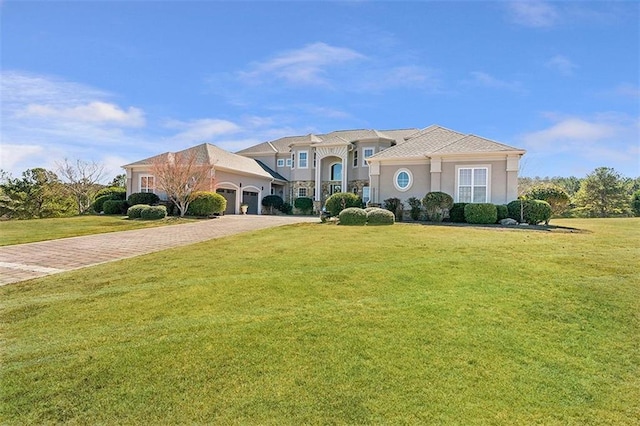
303 159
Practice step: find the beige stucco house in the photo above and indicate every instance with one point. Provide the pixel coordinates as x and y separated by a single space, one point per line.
241 180
374 164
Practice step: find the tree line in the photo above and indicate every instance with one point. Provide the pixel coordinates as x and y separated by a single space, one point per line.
41 193
602 193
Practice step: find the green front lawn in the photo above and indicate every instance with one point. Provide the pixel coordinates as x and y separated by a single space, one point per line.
29 231
322 324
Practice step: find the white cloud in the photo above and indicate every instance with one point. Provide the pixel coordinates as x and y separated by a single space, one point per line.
306 66
562 64
536 14
483 79
201 130
93 112
598 140
12 155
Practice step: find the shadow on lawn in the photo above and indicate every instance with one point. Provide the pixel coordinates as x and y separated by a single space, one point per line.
498 227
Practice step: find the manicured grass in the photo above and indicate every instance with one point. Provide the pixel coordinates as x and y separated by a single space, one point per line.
29 231
322 324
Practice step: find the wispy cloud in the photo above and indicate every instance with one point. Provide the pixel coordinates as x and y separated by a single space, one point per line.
306 66
534 14
201 130
46 118
483 79
94 112
561 64
406 76
599 139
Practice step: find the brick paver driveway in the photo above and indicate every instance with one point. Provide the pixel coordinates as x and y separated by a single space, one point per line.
25 261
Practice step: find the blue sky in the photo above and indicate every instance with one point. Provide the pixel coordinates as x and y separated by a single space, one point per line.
118 81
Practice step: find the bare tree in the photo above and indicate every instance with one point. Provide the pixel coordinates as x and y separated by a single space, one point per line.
180 175
82 179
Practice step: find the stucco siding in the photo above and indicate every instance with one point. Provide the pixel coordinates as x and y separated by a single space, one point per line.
420 182
498 193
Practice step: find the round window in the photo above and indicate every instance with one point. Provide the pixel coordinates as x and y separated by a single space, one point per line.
402 180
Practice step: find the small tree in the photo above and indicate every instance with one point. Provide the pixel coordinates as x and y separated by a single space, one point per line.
556 196
395 206
82 180
603 193
180 175
342 200
635 203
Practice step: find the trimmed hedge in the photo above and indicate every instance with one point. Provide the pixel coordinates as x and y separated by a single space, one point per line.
134 211
503 211
116 192
342 200
481 213
456 214
143 198
304 203
437 204
415 208
368 209
98 203
534 211
206 203
273 201
378 216
153 213
115 207
353 216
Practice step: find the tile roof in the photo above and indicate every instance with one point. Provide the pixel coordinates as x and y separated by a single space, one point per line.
218 157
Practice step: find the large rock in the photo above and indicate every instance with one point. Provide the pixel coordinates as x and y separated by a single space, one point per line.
508 222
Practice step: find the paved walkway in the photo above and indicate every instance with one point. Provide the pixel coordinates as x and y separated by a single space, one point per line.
26 261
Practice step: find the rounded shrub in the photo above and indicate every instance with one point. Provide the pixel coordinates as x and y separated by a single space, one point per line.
153 213
378 216
481 213
353 216
273 202
98 203
206 203
342 200
134 212
304 203
456 214
115 207
437 205
143 198
368 209
556 196
503 212
533 211
116 192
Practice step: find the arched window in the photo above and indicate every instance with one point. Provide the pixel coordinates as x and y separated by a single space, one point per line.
336 171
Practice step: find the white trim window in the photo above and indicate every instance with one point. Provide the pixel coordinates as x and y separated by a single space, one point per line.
289 162
403 179
366 194
147 183
355 158
315 159
303 159
302 192
293 160
280 162
473 185
366 153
